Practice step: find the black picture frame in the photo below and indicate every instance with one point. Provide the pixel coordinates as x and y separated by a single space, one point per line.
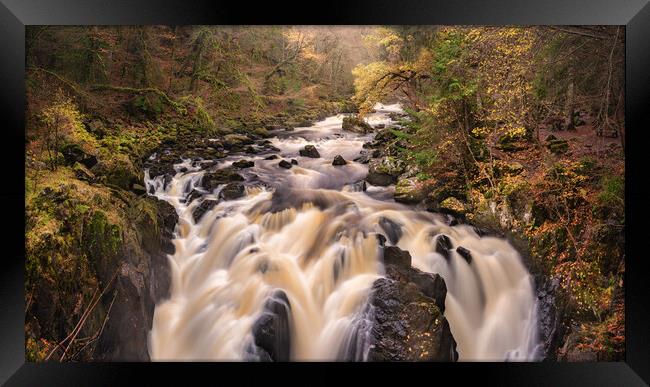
16 14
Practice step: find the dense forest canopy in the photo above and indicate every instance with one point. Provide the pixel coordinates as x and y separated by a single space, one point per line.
519 127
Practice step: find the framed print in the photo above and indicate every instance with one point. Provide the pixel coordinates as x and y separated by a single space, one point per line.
395 189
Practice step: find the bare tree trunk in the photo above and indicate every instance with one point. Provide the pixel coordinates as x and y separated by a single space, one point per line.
570 102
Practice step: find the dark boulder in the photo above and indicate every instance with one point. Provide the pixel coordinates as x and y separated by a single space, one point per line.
202 208
443 245
463 252
383 136
395 256
381 179
194 194
408 322
168 218
385 171
392 229
212 179
309 151
73 153
243 164
294 161
339 160
285 164
232 191
363 158
271 332
272 157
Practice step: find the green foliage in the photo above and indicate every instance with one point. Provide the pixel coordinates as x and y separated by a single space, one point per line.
101 237
611 198
425 158
149 105
399 134
422 176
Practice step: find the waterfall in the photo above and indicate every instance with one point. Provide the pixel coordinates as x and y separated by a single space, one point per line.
302 242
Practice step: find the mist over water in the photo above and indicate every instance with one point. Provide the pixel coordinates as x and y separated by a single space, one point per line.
311 232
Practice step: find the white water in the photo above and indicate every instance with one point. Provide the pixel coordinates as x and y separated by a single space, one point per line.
325 258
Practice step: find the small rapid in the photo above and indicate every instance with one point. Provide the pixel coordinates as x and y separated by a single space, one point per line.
311 232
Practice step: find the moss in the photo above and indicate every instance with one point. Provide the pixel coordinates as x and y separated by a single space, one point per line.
558 146
453 205
101 237
117 170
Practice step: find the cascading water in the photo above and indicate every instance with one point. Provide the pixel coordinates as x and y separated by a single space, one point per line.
309 232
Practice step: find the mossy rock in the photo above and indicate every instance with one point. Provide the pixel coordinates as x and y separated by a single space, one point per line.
82 173
149 105
117 170
504 168
410 191
102 241
511 146
453 206
558 146
356 124
389 165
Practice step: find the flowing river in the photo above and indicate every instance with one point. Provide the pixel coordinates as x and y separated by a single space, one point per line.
310 231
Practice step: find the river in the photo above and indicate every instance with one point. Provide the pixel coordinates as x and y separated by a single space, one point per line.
310 231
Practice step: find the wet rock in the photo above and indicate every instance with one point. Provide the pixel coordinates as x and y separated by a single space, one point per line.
551 317
339 160
236 141
380 179
356 124
272 157
381 240
294 161
271 332
392 229
232 191
463 252
243 164
194 194
383 136
309 151
408 321
202 208
212 179
410 191
167 218
363 158
385 171
380 126
443 245
359 186
285 164
395 256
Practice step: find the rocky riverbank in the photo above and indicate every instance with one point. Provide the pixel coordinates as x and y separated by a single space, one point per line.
576 303
97 244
